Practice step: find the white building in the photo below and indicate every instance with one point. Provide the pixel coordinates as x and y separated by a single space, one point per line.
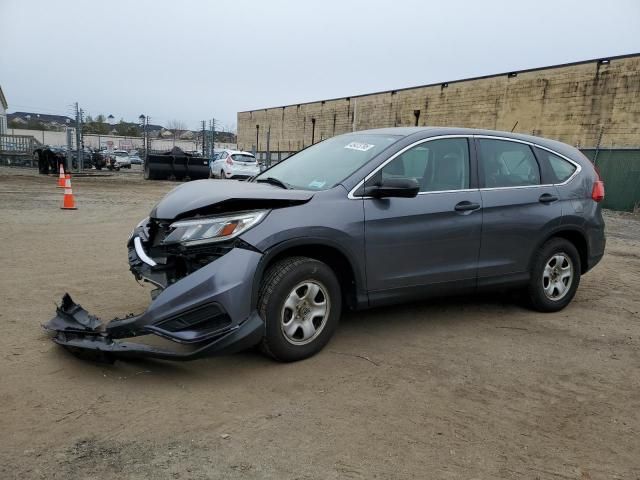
3 113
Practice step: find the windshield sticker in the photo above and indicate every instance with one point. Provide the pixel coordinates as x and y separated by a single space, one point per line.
317 184
362 147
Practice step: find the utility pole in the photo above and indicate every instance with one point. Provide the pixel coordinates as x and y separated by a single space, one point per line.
204 138
269 146
69 146
213 135
78 139
81 156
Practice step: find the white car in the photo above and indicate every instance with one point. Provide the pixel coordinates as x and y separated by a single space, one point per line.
234 164
122 157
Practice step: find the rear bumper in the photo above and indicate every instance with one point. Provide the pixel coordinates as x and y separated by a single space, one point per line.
596 241
206 313
233 173
593 260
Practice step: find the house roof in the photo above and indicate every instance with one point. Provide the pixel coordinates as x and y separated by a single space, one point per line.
3 100
43 117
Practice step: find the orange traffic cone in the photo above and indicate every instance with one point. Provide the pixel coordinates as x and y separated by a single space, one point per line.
68 202
61 177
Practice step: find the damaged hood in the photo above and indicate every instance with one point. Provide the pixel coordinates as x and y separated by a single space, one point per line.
208 197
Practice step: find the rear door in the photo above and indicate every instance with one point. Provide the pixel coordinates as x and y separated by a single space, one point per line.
519 210
432 240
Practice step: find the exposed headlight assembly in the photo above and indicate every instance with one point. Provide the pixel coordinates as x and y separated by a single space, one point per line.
142 223
213 229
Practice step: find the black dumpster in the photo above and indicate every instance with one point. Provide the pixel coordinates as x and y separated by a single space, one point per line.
175 164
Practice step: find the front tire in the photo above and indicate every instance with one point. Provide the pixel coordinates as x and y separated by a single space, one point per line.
300 301
555 276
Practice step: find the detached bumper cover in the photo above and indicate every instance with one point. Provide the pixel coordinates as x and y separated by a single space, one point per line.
99 346
206 313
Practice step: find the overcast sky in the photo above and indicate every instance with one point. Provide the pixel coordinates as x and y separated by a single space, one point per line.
190 60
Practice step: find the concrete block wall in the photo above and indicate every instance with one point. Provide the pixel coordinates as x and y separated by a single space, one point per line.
581 104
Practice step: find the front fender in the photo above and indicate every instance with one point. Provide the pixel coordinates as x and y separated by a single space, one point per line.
308 241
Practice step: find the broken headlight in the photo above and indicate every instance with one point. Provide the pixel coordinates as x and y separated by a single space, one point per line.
213 229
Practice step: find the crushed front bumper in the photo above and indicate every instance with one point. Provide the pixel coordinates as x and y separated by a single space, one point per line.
205 313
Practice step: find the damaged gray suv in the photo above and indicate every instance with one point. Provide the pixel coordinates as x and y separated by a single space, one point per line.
356 221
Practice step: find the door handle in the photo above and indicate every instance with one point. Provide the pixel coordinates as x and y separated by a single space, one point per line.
466 206
547 198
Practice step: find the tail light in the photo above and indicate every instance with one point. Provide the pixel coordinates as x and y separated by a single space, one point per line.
597 192
229 161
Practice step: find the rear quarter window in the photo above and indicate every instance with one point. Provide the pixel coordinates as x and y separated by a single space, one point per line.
559 168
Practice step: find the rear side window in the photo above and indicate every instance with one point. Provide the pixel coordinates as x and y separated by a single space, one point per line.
437 165
560 169
508 164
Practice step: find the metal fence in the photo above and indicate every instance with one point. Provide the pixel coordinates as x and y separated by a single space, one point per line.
620 170
17 150
271 158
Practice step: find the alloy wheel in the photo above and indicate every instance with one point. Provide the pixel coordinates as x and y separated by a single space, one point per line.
305 312
557 276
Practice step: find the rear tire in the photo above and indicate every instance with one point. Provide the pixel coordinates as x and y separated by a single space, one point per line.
300 302
555 276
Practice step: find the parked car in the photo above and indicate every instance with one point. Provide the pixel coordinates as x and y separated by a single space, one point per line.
122 158
234 164
356 221
135 159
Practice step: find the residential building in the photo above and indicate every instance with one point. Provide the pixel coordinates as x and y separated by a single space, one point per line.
3 112
39 121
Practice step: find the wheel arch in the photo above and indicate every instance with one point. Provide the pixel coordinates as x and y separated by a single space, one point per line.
322 250
574 235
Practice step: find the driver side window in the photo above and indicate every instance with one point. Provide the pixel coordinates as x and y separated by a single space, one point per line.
437 165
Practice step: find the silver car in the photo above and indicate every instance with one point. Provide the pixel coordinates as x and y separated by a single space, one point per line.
122 158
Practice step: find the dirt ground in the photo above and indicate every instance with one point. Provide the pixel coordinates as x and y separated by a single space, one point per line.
472 388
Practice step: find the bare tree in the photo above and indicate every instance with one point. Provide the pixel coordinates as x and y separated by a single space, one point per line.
177 127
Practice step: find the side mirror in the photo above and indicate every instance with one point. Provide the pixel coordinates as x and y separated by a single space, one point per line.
393 187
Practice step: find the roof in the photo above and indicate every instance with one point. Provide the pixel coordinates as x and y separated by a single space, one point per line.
3 100
43 117
446 83
234 152
425 132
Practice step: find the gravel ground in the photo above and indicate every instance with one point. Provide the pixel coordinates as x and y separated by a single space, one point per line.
458 388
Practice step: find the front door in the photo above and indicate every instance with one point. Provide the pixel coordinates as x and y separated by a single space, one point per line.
432 240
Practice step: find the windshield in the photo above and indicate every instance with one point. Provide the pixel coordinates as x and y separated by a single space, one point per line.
121 154
243 158
325 164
